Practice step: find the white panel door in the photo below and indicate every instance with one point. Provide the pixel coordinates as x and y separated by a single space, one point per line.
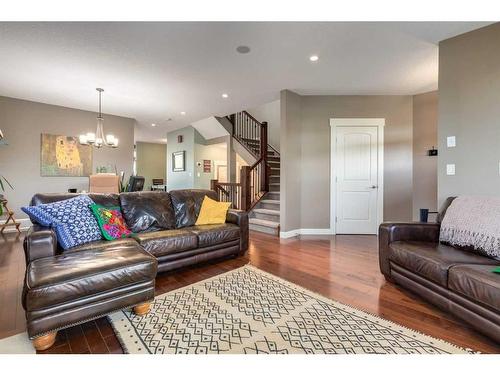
357 179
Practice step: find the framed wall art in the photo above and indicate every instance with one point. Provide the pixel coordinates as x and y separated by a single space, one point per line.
179 161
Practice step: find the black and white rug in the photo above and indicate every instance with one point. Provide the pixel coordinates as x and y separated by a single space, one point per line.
250 311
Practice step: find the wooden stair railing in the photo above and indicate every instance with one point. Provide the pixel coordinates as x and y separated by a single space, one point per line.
254 179
228 192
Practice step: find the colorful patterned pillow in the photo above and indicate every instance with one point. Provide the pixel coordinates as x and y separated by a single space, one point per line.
71 219
110 222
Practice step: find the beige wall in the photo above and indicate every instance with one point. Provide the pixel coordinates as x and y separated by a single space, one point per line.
305 139
22 122
425 114
151 162
469 109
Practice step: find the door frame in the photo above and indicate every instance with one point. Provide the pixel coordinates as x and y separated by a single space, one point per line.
356 122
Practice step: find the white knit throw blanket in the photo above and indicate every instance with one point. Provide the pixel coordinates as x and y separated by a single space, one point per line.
473 221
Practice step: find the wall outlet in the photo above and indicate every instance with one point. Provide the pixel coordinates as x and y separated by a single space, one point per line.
451 141
450 169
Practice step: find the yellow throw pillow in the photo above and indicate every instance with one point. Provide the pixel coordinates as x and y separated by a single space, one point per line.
212 212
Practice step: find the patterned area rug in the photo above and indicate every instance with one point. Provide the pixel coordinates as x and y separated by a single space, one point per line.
250 311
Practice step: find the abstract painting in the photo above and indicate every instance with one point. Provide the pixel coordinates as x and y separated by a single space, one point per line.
63 156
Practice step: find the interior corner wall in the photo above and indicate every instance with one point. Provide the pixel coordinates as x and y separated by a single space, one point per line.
425 116
270 112
151 162
291 160
23 121
305 154
469 109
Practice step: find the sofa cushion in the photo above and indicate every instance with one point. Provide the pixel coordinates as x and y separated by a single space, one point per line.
54 280
213 234
146 211
107 200
101 245
187 204
167 242
71 219
212 212
111 222
476 282
432 260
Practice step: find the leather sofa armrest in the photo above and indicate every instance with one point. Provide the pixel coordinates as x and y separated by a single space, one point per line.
40 242
390 232
240 218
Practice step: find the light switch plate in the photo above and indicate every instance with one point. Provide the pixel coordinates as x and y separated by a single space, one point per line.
451 141
450 169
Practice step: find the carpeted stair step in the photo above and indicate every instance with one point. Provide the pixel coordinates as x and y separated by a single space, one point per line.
270 204
266 214
274 186
265 226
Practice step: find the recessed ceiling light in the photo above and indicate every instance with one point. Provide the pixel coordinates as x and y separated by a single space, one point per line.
183 113
243 49
153 124
314 58
225 96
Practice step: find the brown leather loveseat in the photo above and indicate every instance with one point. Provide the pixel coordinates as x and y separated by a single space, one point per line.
456 280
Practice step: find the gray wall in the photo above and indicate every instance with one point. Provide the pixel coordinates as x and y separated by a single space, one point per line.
425 115
290 162
151 162
197 149
305 148
22 123
212 152
469 108
181 180
270 112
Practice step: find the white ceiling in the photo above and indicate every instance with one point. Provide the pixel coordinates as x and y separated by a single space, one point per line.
153 71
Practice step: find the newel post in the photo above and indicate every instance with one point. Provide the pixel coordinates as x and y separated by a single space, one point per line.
245 188
213 185
264 179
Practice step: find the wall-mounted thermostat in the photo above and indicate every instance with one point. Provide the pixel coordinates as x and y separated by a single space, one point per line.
450 169
451 141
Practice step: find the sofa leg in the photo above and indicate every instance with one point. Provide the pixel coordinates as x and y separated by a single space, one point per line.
44 342
142 309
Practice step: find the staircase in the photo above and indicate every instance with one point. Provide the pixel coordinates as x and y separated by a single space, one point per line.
265 215
258 191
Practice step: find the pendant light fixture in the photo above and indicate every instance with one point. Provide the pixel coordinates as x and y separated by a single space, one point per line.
98 139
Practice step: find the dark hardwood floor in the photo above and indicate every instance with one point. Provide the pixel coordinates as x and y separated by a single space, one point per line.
344 268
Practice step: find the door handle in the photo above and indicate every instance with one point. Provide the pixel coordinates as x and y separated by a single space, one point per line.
373 187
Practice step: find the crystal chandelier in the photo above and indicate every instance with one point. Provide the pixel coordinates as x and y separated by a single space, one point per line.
98 139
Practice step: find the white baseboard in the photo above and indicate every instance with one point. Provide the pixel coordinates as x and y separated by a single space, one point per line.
306 232
25 224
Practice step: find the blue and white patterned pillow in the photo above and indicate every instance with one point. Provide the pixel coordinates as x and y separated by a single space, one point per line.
71 219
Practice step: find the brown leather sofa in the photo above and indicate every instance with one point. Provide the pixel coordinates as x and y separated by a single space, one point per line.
454 279
62 289
164 226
